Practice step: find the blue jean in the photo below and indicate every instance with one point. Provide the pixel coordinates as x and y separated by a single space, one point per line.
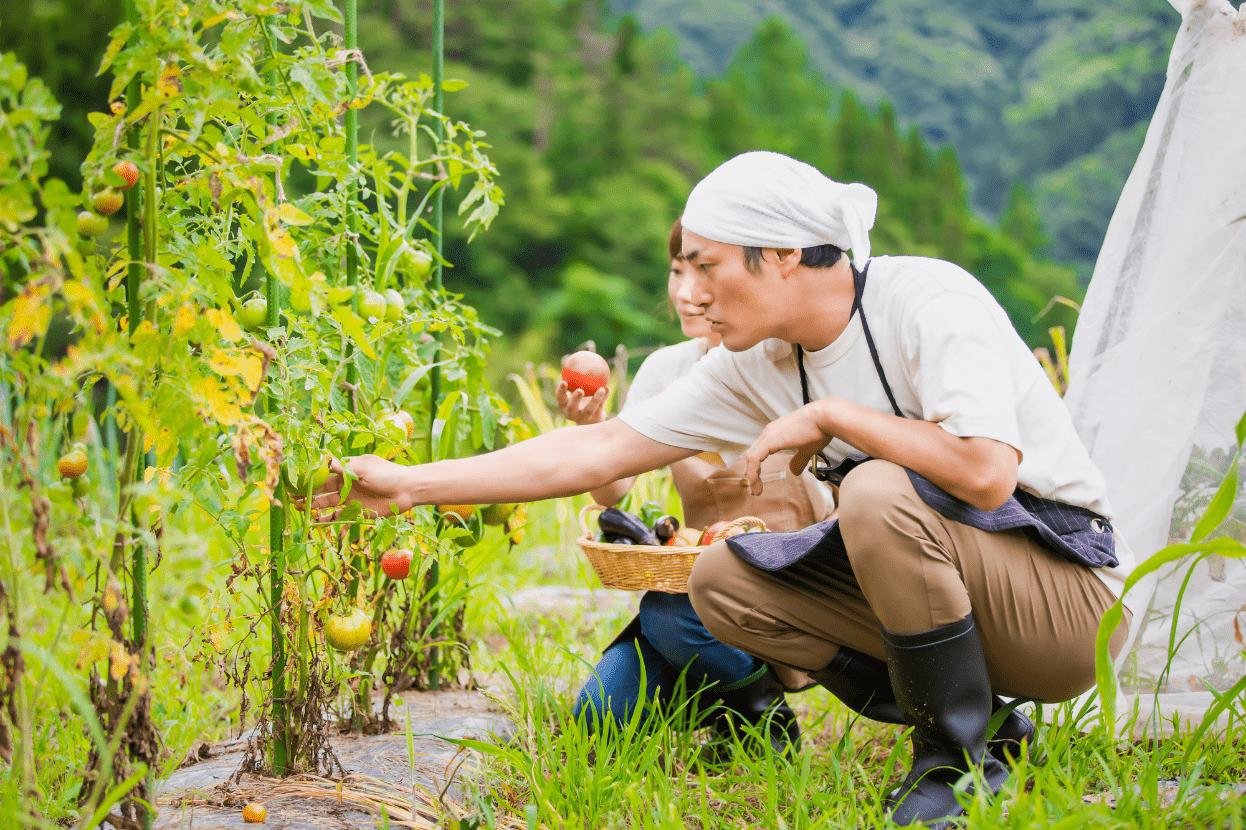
672 640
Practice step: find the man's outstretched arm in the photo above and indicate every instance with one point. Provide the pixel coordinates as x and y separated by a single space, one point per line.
565 462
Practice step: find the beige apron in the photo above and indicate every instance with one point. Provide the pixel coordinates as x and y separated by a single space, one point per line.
712 494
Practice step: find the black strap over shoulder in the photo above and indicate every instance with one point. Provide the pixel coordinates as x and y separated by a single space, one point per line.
858 291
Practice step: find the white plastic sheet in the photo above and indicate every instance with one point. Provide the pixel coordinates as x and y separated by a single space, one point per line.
1158 365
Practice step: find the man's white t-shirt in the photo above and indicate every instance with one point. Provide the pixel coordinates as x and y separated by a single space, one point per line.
951 356
668 364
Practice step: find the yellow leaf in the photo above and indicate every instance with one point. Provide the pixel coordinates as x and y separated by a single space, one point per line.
119 663
169 84
301 151
110 599
246 365
218 404
283 243
30 315
225 324
215 636
79 293
291 215
185 320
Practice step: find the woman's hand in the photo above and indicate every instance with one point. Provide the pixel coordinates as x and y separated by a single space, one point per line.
580 408
380 487
800 430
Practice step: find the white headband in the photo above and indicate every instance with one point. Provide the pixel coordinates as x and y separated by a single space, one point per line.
769 200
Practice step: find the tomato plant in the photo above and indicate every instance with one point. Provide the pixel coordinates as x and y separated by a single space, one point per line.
226 134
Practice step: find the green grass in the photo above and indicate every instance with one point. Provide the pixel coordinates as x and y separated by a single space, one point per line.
647 776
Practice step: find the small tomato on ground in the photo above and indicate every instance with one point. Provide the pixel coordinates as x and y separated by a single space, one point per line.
254 813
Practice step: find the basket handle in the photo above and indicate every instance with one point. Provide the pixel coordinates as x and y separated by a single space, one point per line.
584 516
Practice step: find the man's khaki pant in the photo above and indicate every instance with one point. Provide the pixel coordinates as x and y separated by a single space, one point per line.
911 570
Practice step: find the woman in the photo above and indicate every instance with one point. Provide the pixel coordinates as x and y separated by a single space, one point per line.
667 638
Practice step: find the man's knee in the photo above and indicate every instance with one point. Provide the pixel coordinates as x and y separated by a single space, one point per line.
868 499
870 490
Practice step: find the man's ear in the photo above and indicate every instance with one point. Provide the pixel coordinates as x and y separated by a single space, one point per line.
788 259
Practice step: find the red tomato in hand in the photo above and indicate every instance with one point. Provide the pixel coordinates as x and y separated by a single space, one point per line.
586 371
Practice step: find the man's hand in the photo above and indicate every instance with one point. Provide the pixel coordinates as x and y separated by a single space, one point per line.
380 487
580 408
798 431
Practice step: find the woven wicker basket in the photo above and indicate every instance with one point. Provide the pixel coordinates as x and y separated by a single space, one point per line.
638 567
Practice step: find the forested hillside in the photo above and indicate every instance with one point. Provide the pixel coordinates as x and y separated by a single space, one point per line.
1055 94
599 130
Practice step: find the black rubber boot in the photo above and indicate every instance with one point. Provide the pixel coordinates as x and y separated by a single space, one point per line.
757 700
862 683
942 687
864 686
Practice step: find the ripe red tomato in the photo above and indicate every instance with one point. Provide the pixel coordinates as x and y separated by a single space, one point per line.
586 371
127 170
106 202
396 563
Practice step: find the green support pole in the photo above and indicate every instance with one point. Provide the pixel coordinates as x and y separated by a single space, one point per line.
352 275
276 545
439 49
134 313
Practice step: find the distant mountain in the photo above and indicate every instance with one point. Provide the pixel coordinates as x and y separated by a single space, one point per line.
1054 94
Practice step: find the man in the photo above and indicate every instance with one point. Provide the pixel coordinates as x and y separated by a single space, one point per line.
972 555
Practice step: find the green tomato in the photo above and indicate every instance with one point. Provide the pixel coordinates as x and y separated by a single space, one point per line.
81 486
340 294
254 314
372 304
421 262
394 306
91 224
61 492
320 475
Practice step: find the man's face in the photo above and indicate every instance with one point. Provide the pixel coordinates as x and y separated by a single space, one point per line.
741 307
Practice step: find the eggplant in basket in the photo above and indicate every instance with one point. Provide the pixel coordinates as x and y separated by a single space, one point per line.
622 528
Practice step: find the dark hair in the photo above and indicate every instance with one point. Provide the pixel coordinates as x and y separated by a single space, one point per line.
819 256
675 243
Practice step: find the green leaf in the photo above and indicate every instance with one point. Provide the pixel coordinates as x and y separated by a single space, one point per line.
353 325
1105 672
442 437
1220 504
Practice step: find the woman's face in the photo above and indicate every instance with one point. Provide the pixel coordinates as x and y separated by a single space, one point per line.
691 309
